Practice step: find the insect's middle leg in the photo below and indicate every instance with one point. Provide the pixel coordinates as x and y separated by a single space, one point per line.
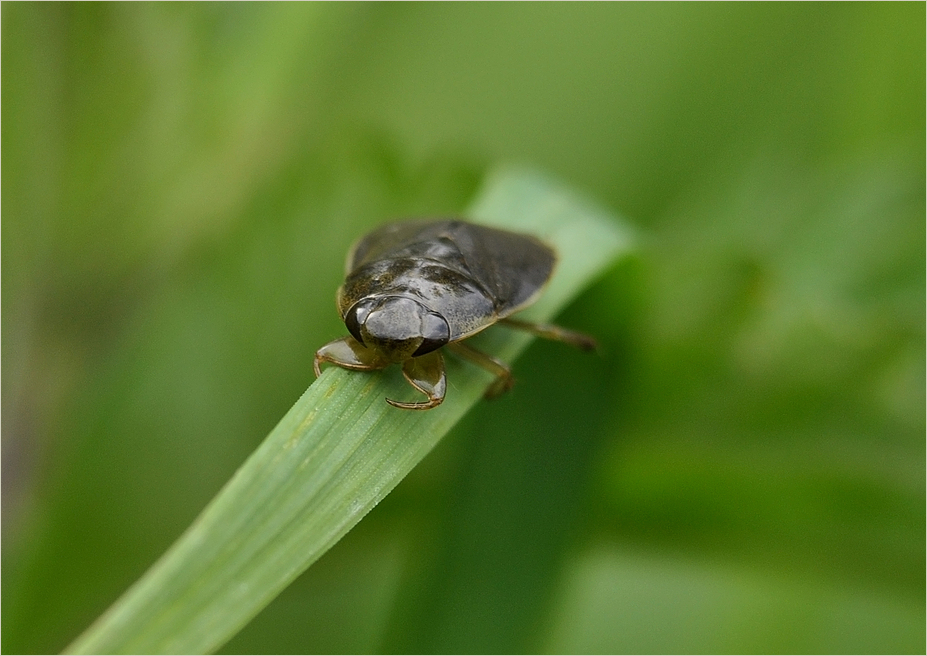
550 331
504 379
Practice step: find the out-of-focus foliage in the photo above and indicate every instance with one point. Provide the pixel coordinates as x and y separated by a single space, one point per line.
742 470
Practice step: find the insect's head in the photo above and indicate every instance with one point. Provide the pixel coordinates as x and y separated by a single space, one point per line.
398 327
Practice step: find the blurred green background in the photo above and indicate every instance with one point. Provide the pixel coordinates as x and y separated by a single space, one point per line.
743 470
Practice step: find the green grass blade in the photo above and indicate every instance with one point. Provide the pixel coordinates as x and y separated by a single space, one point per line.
336 454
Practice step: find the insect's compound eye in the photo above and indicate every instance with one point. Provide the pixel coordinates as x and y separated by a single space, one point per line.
435 333
356 317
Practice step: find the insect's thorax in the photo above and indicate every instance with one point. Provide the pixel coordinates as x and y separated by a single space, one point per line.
444 288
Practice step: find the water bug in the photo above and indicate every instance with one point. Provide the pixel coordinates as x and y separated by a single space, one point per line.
415 286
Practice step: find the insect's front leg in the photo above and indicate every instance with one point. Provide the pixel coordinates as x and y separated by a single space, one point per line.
348 353
426 374
504 379
550 331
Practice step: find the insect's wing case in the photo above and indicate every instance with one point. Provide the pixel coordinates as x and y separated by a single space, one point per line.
388 240
511 267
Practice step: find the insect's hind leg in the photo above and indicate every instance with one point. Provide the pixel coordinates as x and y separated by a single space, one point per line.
550 331
504 379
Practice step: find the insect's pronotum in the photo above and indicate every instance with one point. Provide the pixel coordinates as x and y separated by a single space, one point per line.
415 286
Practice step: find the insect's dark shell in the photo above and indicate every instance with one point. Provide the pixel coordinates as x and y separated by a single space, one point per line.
472 275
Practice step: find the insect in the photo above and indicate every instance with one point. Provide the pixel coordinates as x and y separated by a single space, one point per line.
413 287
